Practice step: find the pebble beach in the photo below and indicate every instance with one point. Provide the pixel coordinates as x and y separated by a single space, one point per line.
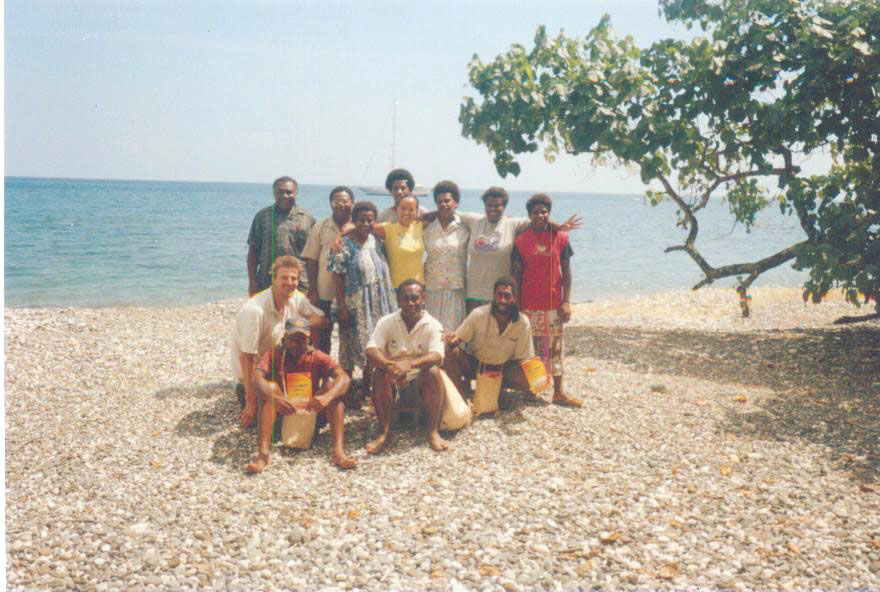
713 452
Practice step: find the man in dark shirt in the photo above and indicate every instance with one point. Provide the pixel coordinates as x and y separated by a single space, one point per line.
280 229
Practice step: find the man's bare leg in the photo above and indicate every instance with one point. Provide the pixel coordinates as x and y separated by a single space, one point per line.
336 418
266 422
559 396
515 378
433 397
367 383
456 365
382 405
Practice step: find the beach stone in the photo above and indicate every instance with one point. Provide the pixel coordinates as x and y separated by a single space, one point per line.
526 494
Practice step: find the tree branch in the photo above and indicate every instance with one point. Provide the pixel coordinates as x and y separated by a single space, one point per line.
755 267
737 176
693 226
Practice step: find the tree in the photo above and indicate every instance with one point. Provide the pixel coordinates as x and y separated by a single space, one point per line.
730 115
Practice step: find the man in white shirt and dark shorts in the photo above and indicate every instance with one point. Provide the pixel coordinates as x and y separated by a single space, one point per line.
406 351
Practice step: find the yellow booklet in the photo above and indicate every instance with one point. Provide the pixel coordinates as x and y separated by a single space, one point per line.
536 374
299 390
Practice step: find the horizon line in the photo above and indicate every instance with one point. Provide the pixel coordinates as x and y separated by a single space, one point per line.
352 185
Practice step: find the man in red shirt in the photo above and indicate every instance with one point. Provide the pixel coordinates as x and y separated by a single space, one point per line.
541 266
329 382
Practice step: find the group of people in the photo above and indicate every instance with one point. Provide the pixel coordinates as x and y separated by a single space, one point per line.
412 291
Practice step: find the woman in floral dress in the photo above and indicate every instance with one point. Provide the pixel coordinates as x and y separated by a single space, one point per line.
446 242
364 293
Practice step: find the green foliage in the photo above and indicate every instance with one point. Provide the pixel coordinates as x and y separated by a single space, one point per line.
771 83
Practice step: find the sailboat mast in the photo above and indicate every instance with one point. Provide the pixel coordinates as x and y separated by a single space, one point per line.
393 132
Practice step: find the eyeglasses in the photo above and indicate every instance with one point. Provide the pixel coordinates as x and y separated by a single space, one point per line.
339 201
411 297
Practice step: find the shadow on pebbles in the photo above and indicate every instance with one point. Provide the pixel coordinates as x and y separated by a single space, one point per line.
702 459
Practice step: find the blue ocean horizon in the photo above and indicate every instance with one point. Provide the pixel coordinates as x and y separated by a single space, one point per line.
98 243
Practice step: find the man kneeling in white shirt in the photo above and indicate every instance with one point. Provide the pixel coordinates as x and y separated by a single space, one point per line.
406 350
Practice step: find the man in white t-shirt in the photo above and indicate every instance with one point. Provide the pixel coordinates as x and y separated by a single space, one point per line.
259 327
406 350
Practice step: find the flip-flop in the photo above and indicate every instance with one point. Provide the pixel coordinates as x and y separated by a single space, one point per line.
569 402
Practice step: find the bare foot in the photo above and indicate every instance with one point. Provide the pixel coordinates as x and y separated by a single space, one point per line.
532 397
343 461
379 444
257 465
437 442
567 401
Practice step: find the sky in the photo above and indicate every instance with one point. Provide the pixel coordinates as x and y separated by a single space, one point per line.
249 91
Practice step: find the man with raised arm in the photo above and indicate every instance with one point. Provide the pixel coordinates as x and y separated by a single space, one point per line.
260 325
542 266
406 351
279 229
497 337
328 381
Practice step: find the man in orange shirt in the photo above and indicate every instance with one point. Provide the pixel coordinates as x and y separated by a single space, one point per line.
329 382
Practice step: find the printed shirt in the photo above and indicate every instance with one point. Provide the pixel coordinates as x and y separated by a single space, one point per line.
446 265
394 340
406 248
541 255
290 233
489 249
390 215
259 326
317 248
480 331
362 265
313 361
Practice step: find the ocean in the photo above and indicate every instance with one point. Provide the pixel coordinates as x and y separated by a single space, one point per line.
94 243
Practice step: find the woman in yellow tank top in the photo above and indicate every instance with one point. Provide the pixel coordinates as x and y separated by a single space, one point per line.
403 242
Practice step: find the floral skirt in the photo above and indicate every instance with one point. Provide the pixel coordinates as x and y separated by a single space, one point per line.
547 336
447 306
364 311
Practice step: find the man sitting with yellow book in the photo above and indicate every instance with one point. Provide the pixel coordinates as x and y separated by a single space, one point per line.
498 340
292 378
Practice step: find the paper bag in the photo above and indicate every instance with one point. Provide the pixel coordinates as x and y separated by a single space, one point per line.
487 392
456 413
298 429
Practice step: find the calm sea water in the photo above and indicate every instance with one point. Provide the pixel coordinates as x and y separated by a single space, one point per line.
100 243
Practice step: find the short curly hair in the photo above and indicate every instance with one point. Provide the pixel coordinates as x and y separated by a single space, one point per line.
447 187
397 174
341 189
284 179
539 199
496 192
363 206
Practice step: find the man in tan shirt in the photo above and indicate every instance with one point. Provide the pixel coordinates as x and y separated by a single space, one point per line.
497 336
316 253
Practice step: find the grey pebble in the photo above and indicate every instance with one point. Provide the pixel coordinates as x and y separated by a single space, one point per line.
540 498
